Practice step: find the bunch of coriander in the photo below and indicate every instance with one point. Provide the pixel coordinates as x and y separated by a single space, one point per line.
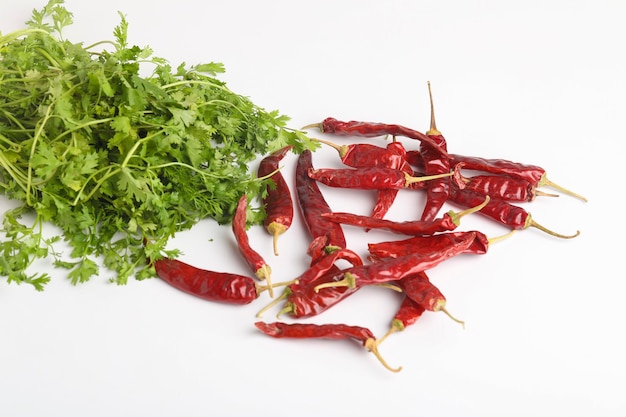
117 161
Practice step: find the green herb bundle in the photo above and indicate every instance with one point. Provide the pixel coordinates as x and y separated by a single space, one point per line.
119 162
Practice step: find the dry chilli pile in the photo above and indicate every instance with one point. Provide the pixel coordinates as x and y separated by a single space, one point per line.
489 187
121 162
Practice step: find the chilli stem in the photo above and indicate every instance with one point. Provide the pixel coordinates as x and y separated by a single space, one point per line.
440 305
276 229
410 179
530 222
348 280
493 240
342 149
275 301
390 286
372 345
456 216
264 273
396 326
312 126
433 126
544 181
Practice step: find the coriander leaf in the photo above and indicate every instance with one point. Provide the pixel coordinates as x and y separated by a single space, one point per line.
118 161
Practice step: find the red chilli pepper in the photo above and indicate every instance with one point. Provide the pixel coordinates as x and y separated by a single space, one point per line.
371 129
394 269
374 178
531 173
419 288
420 245
385 198
319 248
298 301
255 261
304 301
310 330
498 186
325 263
435 162
277 202
503 212
535 175
313 205
408 313
449 221
365 155
325 331
208 285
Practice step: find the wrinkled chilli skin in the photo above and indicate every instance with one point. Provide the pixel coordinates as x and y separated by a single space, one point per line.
278 202
313 204
207 285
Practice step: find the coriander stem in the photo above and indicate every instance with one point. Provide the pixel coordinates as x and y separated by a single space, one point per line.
49 58
182 164
132 150
38 131
19 33
82 126
187 82
100 43
14 120
98 183
9 142
207 103
17 175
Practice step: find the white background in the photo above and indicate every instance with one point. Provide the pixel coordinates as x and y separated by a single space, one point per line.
540 82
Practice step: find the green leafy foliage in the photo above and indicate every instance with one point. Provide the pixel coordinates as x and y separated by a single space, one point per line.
118 161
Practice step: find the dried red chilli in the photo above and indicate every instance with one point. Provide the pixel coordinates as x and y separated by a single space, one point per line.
294 305
374 178
364 155
398 147
325 263
255 261
417 245
384 201
531 173
498 186
503 212
325 331
370 130
386 198
307 301
277 202
407 314
535 175
435 162
310 330
313 204
323 267
419 288
304 301
502 188
318 248
208 285
447 222
394 269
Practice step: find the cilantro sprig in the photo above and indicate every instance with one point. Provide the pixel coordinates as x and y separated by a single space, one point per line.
117 161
